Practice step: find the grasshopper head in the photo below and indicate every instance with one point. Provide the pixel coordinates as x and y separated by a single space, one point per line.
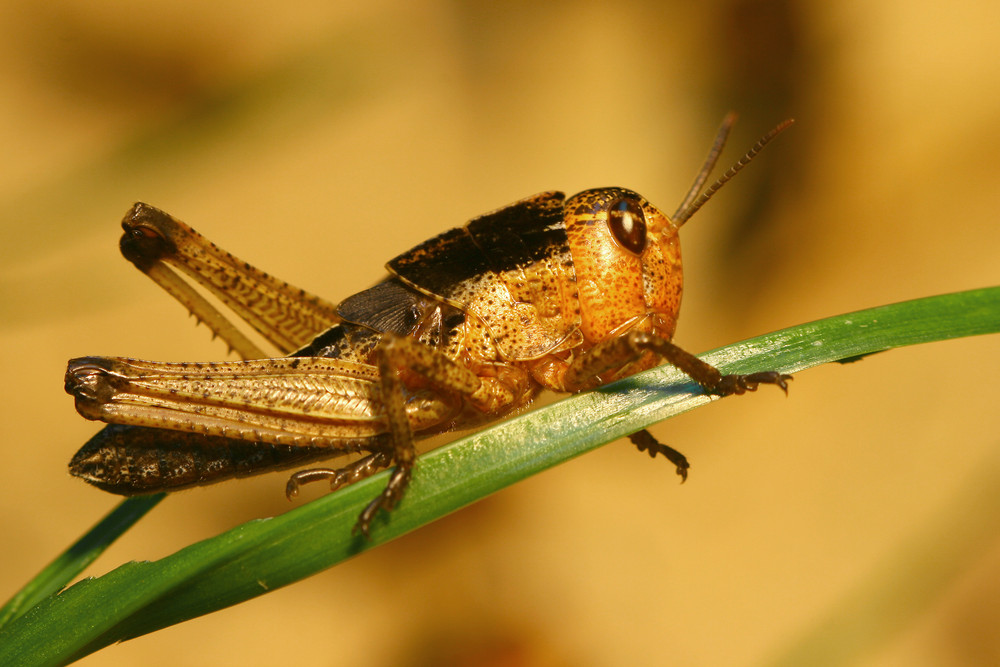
626 252
628 263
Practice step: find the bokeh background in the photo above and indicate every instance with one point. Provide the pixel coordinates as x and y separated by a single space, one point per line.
854 523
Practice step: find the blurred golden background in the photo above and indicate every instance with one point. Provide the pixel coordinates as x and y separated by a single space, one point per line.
853 523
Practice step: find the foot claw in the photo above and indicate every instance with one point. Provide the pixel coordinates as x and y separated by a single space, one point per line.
387 500
364 521
682 470
740 384
645 442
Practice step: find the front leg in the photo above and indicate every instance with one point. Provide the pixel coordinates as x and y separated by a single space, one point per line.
629 347
619 352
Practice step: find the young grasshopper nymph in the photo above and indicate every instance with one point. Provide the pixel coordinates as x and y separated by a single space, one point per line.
547 293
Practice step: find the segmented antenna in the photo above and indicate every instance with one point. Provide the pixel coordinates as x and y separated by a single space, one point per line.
692 202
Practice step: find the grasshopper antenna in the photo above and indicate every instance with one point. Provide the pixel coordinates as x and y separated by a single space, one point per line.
695 198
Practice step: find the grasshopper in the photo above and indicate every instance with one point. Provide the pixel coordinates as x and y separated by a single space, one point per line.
550 292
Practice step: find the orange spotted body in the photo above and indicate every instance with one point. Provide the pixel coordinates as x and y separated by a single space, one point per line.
547 293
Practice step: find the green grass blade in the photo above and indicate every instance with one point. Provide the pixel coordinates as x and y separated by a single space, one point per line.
261 555
69 564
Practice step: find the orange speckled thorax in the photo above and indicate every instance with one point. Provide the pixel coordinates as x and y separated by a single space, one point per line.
620 290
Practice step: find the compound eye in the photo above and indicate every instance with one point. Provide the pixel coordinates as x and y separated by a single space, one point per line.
628 225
